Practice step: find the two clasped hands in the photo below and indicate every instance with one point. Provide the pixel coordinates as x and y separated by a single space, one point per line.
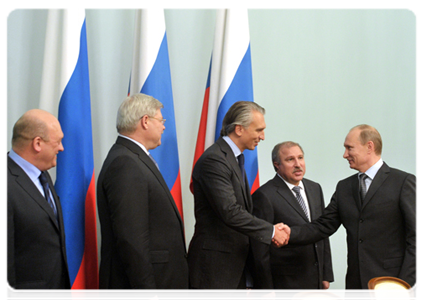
282 233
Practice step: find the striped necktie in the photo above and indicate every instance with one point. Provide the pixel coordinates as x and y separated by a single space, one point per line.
300 200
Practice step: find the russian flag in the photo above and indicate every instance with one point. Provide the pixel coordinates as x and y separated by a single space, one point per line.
229 80
151 75
75 182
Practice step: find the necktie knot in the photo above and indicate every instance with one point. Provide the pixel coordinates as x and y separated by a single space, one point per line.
43 179
296 190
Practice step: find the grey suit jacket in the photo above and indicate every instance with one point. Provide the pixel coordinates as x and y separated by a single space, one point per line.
381 233
143 242
36 251
219 248
290 267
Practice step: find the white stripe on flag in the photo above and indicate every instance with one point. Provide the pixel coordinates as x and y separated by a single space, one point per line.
231 41
59 56
148 36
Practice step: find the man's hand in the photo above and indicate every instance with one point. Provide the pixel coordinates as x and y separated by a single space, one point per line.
270 296
281 236
326 285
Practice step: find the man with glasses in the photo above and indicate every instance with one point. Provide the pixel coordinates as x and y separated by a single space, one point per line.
143 243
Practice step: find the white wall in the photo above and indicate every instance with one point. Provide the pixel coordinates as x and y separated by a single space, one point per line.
316 72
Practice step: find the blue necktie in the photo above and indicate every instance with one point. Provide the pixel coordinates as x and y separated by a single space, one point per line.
46 188
241 161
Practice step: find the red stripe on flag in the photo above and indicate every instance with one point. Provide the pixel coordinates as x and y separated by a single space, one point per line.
201 138
256 183
89 264
177 194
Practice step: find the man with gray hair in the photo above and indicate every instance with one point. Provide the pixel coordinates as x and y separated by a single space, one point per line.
294 200
143 242
219 249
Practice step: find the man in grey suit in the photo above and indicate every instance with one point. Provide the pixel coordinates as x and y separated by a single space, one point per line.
377 207
219 249
294 200
36 252
142 233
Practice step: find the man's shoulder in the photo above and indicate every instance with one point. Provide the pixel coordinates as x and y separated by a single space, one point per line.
310 182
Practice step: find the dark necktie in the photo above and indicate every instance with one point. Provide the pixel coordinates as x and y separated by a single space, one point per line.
46 188
362 187
300 200
241 165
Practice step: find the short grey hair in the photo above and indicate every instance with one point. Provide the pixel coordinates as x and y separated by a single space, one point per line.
275 152
240 113
133 108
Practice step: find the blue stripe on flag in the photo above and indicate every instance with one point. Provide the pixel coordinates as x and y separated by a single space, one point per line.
75 164
158 84
241 89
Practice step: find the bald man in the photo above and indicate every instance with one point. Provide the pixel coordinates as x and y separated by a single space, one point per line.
36 255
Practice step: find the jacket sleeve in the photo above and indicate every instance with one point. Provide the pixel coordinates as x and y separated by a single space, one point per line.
323 227
408 209
224 194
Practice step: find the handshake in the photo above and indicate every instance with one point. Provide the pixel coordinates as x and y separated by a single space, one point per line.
282 233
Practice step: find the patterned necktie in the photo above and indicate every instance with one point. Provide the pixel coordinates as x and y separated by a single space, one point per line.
300 200
241 160
362 187
46 188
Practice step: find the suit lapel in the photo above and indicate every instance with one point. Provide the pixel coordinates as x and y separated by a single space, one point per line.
355 191
312 199
27 185
150 164
226 149
380 177
288 196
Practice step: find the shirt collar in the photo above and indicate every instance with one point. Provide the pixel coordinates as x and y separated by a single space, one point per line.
231 144
290 185
32 171
137 143
371 172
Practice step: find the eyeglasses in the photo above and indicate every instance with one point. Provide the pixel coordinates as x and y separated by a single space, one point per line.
160 120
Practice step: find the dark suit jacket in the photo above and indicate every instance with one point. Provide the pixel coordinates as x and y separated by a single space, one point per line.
36 252
143 242
290 267
219 248
381 233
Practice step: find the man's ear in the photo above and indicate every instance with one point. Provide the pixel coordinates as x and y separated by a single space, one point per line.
370 146
239 129
144 122
36 144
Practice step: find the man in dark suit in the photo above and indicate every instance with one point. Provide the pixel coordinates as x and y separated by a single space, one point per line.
290 267
378 212
218 251
142 234
36 252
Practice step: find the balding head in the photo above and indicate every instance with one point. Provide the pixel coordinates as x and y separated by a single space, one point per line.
36 136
